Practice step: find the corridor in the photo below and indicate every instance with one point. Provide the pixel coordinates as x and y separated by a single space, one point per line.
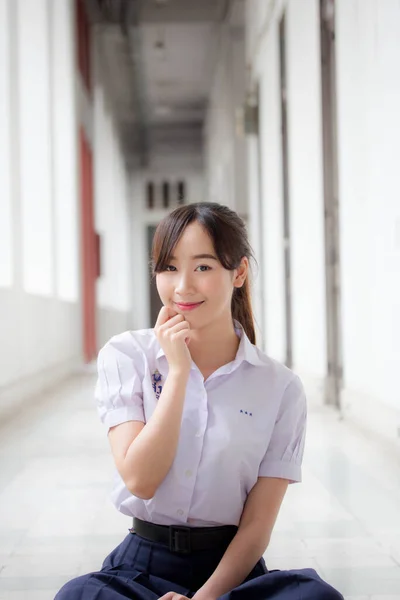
113 113
57 521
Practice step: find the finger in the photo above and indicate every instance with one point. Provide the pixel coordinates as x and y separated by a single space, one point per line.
173 596
184 335
171 311
164 315
171 322
178 327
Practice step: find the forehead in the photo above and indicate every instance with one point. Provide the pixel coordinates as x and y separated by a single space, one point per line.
195 239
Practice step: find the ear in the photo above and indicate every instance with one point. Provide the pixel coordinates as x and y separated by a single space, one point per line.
241 273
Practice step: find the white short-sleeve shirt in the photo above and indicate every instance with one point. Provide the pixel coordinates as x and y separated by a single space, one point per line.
247 420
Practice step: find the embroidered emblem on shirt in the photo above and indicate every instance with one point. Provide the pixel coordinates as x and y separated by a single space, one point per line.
156 379
245 412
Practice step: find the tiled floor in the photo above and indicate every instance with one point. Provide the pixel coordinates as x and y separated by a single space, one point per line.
56 520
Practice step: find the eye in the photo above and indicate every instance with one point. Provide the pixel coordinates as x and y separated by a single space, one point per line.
204 267
168 267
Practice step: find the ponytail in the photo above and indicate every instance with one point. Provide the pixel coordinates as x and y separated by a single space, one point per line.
242 310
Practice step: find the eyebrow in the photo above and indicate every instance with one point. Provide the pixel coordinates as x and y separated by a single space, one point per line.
211 256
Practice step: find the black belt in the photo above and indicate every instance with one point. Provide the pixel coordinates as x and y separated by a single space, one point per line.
182 539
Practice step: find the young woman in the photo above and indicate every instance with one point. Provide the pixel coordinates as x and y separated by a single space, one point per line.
205 429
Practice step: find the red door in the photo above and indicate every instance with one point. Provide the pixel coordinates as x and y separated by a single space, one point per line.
89 247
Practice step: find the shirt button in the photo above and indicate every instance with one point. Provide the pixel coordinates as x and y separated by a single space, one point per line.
188 473
198 434
180 512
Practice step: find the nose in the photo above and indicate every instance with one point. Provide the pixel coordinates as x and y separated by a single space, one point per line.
184 284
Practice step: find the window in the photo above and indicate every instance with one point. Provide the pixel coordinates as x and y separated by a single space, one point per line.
181 192
165 194
150 195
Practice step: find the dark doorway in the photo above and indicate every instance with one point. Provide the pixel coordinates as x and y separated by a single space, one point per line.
155 302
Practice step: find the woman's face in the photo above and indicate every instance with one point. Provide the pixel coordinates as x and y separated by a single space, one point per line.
194 277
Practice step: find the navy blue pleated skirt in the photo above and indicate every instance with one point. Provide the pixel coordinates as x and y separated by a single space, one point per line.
142 570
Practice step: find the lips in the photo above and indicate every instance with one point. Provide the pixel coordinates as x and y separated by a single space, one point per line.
188 306
187 303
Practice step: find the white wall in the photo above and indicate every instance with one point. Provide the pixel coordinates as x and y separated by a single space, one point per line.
40 325
44 101
368 43
306 188
6 270
256 237
113 215
225 152
64 156
271 197
305 177
368 94
229 157
35 128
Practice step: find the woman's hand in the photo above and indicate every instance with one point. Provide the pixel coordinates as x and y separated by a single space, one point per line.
173 596
173 333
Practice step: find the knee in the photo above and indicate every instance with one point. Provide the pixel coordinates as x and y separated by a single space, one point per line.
329 593
73 589
336 595
318 588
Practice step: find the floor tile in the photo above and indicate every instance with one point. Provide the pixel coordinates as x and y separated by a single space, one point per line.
343 520
28 595
368 581
28 584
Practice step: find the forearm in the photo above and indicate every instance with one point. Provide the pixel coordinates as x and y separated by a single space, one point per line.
241 556
152 453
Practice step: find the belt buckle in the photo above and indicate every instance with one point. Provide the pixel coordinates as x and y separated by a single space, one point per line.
179 539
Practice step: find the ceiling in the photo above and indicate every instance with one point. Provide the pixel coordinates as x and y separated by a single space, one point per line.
159 57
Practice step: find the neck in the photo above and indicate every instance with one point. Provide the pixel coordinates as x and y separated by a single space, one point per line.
214 345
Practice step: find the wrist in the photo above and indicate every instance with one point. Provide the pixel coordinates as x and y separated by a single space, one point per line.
203 595
178 372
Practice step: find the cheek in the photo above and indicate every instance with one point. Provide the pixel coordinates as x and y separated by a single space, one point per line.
217 288
162 287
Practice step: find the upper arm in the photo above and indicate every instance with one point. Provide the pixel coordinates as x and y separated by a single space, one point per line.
262 505
119 395
284 454
120 438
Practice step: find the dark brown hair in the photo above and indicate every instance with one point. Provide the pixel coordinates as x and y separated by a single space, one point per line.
229 236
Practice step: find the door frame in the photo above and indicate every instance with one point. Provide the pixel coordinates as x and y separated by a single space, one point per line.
334 375
89 250
285 193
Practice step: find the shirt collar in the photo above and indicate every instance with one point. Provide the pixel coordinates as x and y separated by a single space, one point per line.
246 350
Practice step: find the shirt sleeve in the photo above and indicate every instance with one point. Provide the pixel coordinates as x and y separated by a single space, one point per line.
285 451
118 393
